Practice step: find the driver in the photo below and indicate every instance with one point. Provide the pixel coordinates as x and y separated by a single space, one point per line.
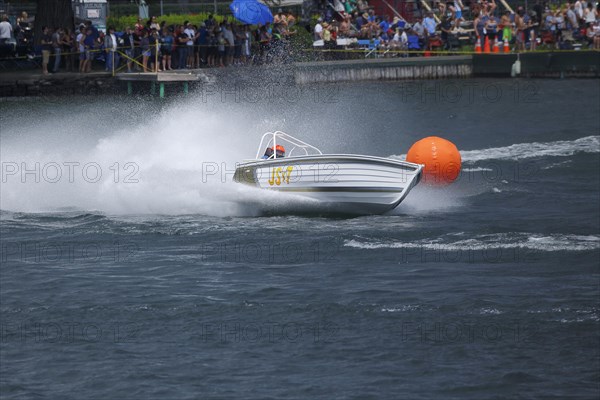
280 151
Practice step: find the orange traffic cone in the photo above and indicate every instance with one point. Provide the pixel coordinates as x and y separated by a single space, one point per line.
506 47
496 48
478 46
486 46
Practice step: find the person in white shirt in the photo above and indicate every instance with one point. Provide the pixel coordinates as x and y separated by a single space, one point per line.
319 29
419 28
578 7
400 40
6 29
590 14
189 31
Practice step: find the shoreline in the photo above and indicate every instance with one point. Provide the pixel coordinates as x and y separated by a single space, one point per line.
580 64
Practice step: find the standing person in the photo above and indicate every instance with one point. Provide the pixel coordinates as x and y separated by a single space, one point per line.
69 48
94 33
202 43
458 7
533 26
239 38
153 40
280 18
507 32
265 40
154 23
196 48
129 45
572 20
139 25
595 28
6 30
166 49
189 31
590 14
110 48
221 48
89 43
23 20
81 47
520 27
230 42
46 48
145 45
246 45
57 48
182 39
429 24
212 47
210 23
318 31
578 8
491 28
137 48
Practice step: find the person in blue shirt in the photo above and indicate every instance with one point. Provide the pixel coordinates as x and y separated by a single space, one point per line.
430 24
268 153
202 42
385 24
166 48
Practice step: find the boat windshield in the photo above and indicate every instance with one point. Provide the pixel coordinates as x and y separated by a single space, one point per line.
272 140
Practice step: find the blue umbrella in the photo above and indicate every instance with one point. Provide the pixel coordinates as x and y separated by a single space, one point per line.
251 12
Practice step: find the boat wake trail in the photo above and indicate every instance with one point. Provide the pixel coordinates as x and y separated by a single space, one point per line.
512 240
519 151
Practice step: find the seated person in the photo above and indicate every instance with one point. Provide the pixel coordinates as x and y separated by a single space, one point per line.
279 151
268 154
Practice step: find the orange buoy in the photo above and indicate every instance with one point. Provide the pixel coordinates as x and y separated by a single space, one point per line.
441 158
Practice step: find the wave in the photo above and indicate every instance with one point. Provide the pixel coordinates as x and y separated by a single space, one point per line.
512 240
519 151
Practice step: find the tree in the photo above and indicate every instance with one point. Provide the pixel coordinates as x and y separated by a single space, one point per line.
53 14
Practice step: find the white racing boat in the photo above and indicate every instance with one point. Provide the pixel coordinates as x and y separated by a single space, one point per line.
334 183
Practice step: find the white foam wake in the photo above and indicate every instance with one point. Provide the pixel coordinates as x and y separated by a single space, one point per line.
513 240
180 160
519 151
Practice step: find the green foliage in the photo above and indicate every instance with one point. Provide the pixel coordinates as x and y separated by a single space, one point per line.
302 38
300 41
120 23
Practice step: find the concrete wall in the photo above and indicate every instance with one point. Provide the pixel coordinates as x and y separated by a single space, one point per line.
540 64
384 69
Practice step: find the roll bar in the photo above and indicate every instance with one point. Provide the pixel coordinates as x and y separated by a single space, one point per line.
274 138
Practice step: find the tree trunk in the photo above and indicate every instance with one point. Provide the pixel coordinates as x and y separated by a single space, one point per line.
53 14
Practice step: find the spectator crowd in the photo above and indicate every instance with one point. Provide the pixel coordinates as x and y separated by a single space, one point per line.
457 23
150 45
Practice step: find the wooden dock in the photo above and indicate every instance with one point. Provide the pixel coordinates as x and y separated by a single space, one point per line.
160 78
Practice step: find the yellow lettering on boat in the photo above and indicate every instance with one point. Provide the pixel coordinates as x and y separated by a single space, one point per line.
288 174
278 175
272 179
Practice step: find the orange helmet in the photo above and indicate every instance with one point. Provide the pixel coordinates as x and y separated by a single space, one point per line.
280 148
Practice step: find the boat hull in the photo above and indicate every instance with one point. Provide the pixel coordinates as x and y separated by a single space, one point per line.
344 184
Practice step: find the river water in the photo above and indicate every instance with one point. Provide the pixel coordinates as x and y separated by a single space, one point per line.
132 267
